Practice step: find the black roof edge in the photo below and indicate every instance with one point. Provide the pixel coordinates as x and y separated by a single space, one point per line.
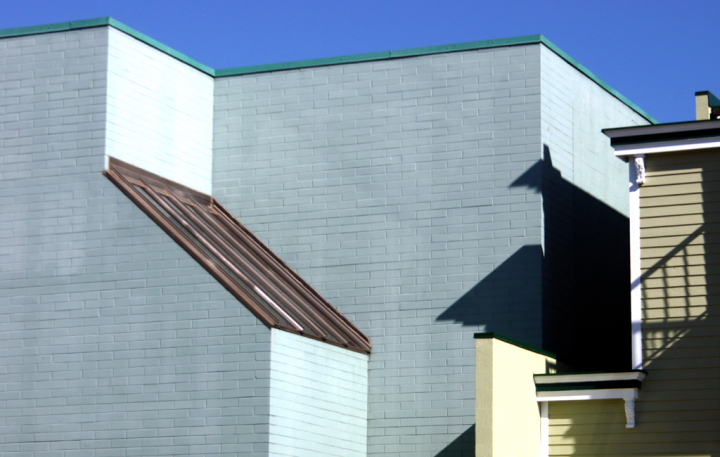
663 132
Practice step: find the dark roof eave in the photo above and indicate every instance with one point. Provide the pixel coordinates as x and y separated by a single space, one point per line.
677 131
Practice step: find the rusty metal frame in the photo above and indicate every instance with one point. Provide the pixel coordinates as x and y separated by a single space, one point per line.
234 255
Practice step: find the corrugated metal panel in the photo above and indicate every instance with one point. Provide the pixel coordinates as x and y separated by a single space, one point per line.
236 258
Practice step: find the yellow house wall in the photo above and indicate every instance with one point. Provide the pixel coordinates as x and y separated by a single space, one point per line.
678 411
507 413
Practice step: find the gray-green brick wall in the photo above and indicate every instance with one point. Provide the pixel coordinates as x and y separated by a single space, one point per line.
396 188
585 225
113 341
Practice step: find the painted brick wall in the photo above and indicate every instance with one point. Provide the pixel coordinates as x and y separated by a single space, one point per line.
399 189
112 340
574 110
318 398
159 113
586 232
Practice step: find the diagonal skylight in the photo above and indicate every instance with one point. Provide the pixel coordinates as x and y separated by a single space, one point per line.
250 271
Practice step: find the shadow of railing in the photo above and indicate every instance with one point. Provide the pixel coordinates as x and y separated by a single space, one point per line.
678 410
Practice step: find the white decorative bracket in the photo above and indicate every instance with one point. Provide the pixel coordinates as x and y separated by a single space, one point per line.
640 168
629 412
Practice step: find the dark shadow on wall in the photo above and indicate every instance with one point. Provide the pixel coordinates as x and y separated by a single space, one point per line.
678 409
570 297
462 446
508 300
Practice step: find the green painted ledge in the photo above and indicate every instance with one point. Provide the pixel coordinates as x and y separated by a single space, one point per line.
520 344
473 45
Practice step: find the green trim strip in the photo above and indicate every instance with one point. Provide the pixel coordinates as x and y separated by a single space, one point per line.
60 27
473 45
497 336
161 47
103 21
599 81
559 387
413 52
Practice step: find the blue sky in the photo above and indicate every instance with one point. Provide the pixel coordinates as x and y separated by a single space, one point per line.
656 53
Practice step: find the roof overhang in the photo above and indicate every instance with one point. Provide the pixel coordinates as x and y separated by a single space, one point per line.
653 139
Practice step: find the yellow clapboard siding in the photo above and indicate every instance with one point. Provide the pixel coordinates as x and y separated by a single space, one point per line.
681 363
672 210
687 175
694 220
688 291
688 341
705 326
707 198
675 189
671 242
682 230
673 262
584 414
617 426
705 158
681 281
649 354
708 250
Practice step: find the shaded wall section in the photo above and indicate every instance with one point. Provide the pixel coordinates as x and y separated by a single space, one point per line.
586 231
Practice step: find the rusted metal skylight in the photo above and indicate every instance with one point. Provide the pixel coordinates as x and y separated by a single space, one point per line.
262 282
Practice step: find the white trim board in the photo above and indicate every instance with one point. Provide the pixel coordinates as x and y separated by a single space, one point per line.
627 151
598 394
590 377
635 269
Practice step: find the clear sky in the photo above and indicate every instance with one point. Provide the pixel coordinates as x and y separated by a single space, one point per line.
657 53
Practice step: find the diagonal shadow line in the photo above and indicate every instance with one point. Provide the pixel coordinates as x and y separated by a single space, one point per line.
673 252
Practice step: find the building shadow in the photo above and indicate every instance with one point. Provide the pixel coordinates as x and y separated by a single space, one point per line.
678 409
462 446
569 296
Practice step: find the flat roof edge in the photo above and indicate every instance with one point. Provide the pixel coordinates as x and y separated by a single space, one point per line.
581 68
58 27
161 47
100 22
367 57
384 55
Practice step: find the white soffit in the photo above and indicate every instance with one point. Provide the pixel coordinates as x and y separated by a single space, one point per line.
624 151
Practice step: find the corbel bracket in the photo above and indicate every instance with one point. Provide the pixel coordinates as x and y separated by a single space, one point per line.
640 169
629 412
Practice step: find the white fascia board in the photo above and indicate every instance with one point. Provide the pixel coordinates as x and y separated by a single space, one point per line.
590 377
626 151
599 394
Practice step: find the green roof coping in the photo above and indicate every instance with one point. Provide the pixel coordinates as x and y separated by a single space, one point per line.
105 21
497 336
385 55
473 45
